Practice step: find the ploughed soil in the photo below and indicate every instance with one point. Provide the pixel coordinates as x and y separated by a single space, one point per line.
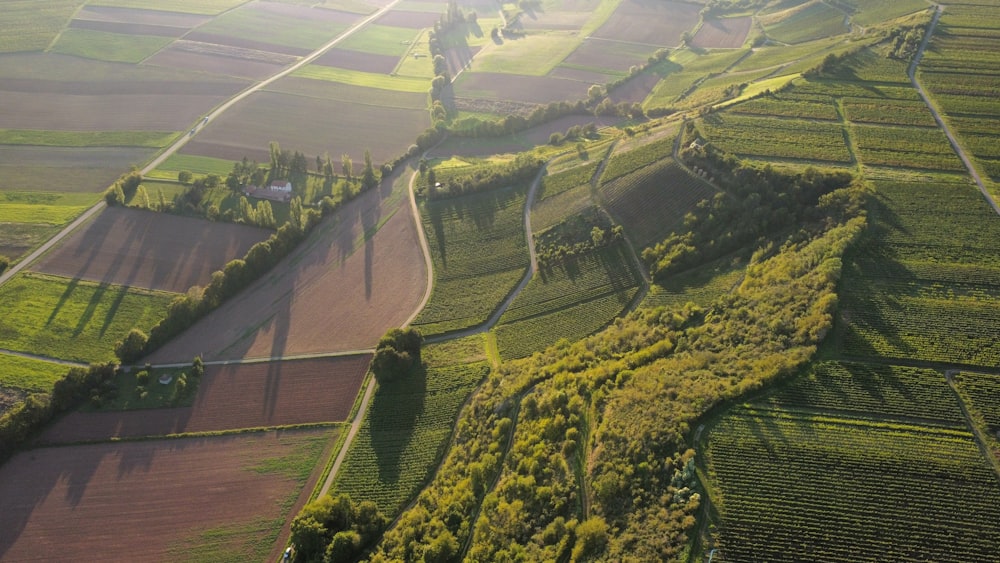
725 33
357 60
141 248
360 273
653 22
160 500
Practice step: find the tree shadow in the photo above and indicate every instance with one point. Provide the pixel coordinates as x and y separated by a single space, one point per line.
395 411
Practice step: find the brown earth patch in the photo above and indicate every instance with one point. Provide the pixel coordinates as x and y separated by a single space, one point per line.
653 22
302 12
310 125
232 397
580 75
413 20
10 396
245 43
634 90
129 28
174 57
600 54
141 16
64 168
141 248
722 33
459 57
153 500
528 89
117 87
356 60
533 19
339 291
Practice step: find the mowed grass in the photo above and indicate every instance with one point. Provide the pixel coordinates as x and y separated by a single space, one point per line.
570 300
36 23
680 72
813 21
406 429
150 139
876 11
382 40
105 46
192 163
205 7
29 374
479 252
73 319
535 54
52 208
367 79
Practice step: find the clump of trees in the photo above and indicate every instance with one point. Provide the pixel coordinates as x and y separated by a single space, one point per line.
335 529
4 263
523 168
123 188
397 354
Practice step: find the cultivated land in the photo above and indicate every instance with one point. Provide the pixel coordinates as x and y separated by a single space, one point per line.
139 248
358 275
222 499
233 397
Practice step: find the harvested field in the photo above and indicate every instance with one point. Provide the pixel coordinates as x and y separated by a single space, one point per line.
128 28
580 75
232 397
636 89
722 33
341 290
653 22
402 18
140 17
530 89
174 57
531 19
341 92
104 112
281 23
310 125
245 43
141 248
356 60
219 499
597 54
86 169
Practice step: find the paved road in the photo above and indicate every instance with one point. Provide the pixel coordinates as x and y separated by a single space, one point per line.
937 117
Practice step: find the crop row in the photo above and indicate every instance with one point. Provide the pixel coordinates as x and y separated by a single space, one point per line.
908 147
564 181
701 285
841 89
652 201
871 389
556 209
785 106
777 138
825 489
984 391
405 433
622 163
891 112
479 253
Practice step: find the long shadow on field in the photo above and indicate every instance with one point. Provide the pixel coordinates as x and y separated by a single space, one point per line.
395 409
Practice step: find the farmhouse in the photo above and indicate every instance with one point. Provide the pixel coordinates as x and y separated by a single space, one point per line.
283 186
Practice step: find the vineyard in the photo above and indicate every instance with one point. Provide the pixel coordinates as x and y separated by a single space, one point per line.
569 300
983 391
701 285
888 112
790 105
652 201
784 139
555 184
479 252
905 147
405 433
825 488
625 162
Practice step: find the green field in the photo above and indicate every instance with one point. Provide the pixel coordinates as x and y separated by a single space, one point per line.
815 21
29 374
568 300
701 286
113 47
683 69
206 7
51 208
408 424
36 24
150 139
382 40
479 252
73 319
876 11
352 6
367 79
781 139
192 163
905 147
535 54
983 392
273 28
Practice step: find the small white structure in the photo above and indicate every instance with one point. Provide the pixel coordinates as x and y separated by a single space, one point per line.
283 186
698 143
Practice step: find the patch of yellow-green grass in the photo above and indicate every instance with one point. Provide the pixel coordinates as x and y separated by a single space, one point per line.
416 62
273 28
381 40
599 16
195 164
759 87
73 319
28 373
30 25
50 208
368 79
105 46
535 54
206 7
352 6
151 139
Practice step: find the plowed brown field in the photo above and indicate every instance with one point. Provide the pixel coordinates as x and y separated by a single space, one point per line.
153 250
653 22
360 273
234 397
727 33
219 498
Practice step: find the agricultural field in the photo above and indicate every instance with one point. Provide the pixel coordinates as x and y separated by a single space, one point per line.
37 25
702 285
867 12
360 273
479 254
73 319
722 33
804 22
220 498
684 70
20 376
519 88
905 147
381 39
983 393
652 23
106 46
408 425
278 25
233 397
49 208
779 139
652 201
571 300
138 248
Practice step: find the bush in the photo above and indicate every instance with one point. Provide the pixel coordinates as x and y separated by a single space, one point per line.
396 354
130 348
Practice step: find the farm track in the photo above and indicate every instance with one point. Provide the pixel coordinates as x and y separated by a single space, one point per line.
937 116
45 358
977 432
